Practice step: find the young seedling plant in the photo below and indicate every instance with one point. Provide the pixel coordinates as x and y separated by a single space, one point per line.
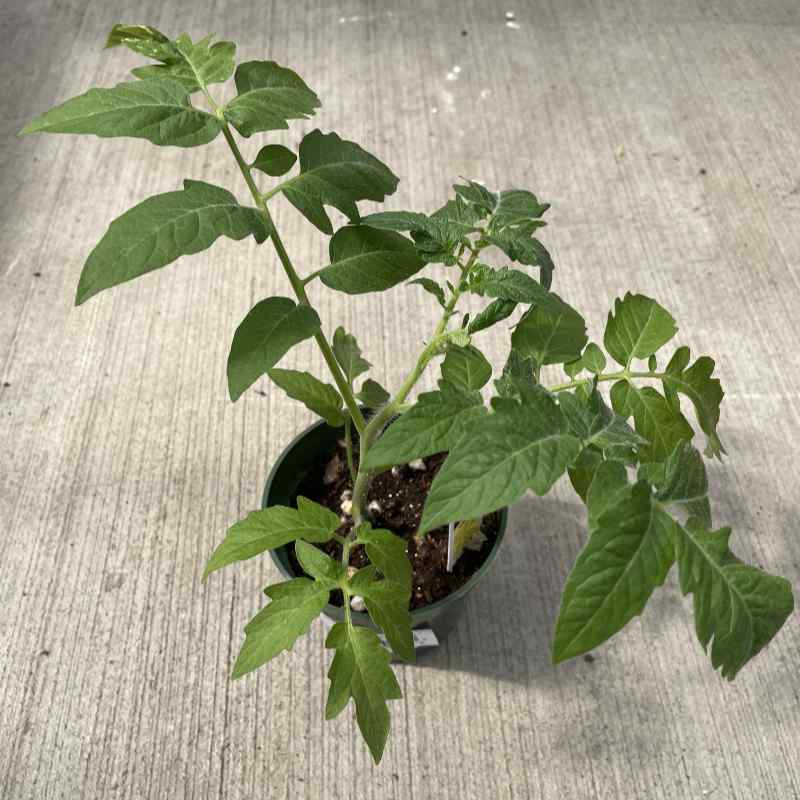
631 460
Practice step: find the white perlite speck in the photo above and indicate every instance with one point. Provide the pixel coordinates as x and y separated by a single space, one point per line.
347 507
374 507
417 464
357 603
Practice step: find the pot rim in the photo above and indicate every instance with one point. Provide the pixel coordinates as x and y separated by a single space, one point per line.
418 614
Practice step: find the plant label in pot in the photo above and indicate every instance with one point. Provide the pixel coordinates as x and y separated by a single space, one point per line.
463 452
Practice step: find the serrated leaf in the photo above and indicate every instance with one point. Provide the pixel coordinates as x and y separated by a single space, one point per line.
274 160
583 470
387 604
144 40
739 607
338 173
495 312
431 287
637 328
348 354
157 110
518 244
550 334
294 605
519 377
270 329
434 424
161 229
387 552
320 566
629 553
518 205
402 221
361 670
372 394
478 195
193 65
319 397
365 259
268 97
705 392
459 215
271 528
594 423
682 480
654 418
510 284
593 358
517 447
466 368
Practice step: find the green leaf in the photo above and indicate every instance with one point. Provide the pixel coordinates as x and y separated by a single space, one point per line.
361 670
466 368
320 566
365 259
163 228
144 40
583 470
510 284
459 215
387 604
520 246
738 606
628 555
294 605
637 328
495 312
156 110
268 97
517 447
550 334
338 173
519 377
682 480
704 391
432 288
271 528
654 418
274 159
270 329
516 206
372 394
348 354
387 553
396 221
434 424
478 195
593 358
594 423
194 66
319 397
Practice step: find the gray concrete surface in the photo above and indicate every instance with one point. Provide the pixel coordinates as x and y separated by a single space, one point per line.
666 135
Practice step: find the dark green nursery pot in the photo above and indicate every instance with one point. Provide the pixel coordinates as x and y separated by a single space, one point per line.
284 483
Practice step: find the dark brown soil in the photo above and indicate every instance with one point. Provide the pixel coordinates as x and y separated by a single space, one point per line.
400 494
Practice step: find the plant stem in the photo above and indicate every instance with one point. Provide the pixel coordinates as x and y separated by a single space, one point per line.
622 375
348 440
297 283
376 425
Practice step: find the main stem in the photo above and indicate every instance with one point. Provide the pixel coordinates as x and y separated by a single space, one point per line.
376 425
297 283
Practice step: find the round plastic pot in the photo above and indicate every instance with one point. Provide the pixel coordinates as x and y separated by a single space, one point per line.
290 472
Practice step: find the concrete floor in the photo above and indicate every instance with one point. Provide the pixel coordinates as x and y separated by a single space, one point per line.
666 136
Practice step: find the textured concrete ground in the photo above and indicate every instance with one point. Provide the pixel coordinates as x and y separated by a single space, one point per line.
667 137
